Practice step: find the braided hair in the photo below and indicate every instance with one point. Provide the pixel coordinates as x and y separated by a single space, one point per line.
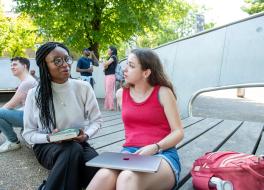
44 96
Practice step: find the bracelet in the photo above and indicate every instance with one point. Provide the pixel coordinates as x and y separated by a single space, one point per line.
158 148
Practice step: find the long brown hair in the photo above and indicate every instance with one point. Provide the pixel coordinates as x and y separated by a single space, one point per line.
148 59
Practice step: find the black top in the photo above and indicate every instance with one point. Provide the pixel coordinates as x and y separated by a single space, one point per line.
111 68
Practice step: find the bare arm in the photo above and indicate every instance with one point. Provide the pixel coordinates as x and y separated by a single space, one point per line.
108 62
16 100
168 101
94 58
89 70
119 93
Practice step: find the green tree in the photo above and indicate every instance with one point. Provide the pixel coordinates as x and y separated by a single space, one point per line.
253 6
22 34
4 28
17 34
172 30
80 23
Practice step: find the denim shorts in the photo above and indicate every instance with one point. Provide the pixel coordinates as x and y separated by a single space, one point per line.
170 155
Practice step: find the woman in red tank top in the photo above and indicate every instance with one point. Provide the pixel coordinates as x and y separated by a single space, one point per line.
152 126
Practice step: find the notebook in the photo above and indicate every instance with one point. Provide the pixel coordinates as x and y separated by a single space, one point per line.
125 161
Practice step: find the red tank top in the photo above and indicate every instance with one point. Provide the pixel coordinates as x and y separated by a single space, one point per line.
145 123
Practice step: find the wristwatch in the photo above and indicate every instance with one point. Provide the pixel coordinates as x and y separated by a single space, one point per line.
159 149
48 138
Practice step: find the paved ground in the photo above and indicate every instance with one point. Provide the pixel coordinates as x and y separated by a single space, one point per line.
233 108
226 105
19 170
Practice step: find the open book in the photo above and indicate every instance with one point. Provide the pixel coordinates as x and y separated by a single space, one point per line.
64 134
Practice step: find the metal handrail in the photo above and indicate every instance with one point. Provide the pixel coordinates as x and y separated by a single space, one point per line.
247 85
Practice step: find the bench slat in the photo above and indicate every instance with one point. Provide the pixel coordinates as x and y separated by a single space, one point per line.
260 150
244 139
197 129
108 130
191 120
105 140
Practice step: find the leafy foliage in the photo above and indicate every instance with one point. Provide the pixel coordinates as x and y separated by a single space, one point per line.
16 35
171 30
254 6
4 28
84 23
22 35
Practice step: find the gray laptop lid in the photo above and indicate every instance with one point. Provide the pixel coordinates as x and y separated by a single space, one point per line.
123 161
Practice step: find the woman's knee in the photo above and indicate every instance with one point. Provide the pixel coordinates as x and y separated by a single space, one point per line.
107 176
127 178
72 149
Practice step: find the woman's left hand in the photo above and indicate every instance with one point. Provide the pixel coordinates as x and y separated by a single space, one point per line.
147 150
105 66
82 137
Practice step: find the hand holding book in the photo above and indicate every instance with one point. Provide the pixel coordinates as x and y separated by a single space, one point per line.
65 134
82 137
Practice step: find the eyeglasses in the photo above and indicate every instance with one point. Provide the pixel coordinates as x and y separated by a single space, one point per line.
59 61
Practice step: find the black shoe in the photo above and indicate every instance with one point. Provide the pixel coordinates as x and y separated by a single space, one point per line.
42 186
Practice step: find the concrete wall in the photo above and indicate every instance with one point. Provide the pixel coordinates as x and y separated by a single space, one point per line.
228 55
8 81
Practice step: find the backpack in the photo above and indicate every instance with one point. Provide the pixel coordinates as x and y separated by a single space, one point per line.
119 73
228 170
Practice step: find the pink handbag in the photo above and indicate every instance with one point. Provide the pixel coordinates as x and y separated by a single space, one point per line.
235 170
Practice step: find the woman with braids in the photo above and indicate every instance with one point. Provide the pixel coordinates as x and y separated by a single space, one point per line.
58 103
152 126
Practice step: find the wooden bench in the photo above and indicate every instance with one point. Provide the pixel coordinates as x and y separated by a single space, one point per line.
6 94
201 135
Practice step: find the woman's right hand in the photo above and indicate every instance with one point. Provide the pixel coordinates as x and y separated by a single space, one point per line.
147 150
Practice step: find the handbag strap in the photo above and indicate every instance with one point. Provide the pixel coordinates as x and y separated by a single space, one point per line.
253 172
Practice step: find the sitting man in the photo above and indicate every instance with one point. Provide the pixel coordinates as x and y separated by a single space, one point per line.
11 114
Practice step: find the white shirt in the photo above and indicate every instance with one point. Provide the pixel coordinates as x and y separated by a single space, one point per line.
75 105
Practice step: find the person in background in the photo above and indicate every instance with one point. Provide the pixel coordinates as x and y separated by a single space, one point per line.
60 103
109 69
152 126
119 74
93 57
11 114
33 74
85 66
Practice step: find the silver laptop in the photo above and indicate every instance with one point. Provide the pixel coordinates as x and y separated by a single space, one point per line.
124 161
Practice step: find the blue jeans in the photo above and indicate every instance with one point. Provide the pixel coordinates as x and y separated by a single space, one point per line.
8 119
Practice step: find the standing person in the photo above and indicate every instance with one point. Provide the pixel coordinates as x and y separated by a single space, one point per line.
119 74
155 131
33 74
59 103
11 114
85 66
109 69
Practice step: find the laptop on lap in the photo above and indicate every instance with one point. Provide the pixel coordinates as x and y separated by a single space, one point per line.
126 161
